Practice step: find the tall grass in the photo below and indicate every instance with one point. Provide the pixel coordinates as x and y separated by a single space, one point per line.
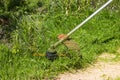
35 33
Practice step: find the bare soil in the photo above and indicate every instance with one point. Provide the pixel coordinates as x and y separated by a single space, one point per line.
107 67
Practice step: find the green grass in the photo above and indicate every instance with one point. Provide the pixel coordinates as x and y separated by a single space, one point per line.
36 32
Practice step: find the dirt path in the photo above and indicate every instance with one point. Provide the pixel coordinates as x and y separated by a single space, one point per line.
107 67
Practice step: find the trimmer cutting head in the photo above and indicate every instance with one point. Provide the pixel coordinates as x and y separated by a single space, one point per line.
51 54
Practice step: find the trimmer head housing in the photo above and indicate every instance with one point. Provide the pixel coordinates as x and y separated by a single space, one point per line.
51 54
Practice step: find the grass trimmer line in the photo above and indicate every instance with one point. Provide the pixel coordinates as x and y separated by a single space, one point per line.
51 53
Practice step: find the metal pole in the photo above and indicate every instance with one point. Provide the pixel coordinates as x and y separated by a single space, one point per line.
78 26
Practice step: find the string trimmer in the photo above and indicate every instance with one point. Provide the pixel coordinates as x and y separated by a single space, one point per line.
51 53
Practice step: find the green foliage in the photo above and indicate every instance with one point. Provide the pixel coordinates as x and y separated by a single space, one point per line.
9 5
34 33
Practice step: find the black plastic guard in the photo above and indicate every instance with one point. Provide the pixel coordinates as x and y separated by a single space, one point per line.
51 55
